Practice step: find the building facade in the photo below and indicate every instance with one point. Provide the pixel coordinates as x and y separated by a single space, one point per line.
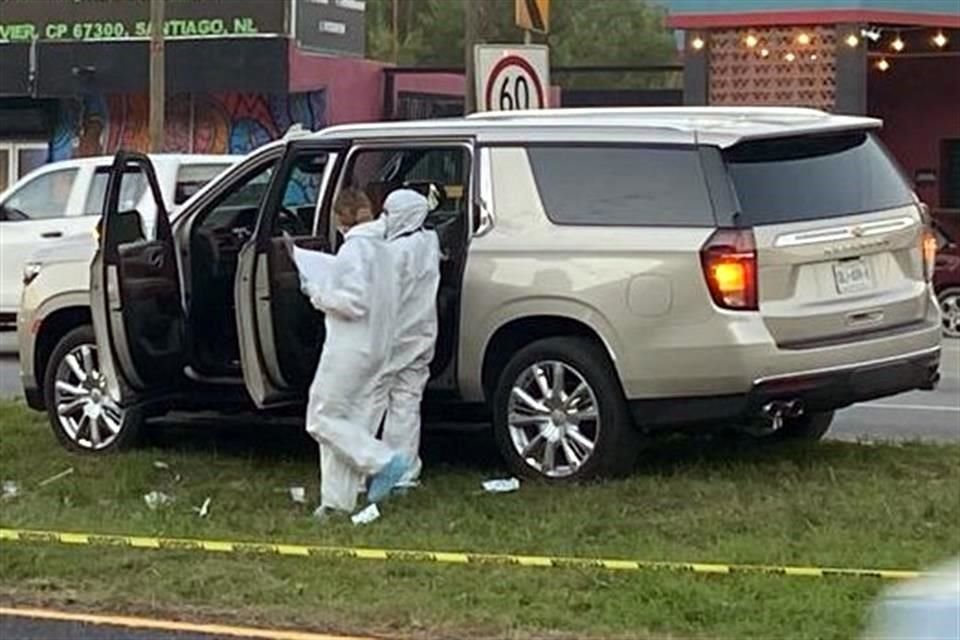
894 59
74 75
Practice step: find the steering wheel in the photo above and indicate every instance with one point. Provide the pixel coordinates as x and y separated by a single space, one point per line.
290 222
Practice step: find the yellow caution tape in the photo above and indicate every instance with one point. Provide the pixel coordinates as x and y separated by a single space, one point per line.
438 557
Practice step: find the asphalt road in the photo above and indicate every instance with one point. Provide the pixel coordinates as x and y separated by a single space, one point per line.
919 415
24 628
45 624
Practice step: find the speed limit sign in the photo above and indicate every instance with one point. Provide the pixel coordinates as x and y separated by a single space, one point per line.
512 78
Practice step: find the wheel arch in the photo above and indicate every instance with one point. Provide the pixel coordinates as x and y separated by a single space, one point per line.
52 329
514 334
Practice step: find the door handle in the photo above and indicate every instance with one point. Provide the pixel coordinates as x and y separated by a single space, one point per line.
52 234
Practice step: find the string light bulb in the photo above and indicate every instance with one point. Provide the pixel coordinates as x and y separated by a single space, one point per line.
897 44
882 64
940 40
697 43
751 41
852 40
803 39
790 57
764 53
813 57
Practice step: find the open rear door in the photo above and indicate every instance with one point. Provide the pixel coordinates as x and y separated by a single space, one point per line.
281 334
136 300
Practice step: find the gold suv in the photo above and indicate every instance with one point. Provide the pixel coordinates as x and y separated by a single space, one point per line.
607 274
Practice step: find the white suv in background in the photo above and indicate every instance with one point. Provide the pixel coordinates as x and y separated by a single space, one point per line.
65 198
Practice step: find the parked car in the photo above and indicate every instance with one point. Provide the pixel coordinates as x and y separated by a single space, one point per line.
946 278
66 198
607 274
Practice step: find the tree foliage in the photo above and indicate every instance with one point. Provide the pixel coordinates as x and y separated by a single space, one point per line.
583 32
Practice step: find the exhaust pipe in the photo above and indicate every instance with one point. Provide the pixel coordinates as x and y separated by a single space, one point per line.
777 411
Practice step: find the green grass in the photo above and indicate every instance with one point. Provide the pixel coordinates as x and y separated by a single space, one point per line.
879 506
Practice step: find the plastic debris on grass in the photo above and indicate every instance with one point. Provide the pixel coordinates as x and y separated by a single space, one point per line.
9 490
58 476
501 485
203 509
365 516
157 499
298 495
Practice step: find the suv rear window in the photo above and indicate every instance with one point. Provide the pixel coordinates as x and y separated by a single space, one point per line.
621 186
814 177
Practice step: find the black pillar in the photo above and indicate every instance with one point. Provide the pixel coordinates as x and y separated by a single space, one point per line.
851 96
696 70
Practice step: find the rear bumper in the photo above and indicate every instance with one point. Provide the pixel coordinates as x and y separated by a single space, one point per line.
819 390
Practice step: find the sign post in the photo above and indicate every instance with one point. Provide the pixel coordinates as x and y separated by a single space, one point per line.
158 97
512 77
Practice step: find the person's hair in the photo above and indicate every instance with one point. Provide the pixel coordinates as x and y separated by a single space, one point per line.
351 201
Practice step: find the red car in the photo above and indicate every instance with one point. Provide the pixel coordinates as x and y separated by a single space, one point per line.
946 276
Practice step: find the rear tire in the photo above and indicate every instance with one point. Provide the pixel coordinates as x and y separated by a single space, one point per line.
810 427
949 300
83 417
560 414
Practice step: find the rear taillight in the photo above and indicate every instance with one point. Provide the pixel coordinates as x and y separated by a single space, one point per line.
929 249
729 261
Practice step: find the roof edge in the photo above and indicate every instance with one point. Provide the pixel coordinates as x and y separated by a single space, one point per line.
811 16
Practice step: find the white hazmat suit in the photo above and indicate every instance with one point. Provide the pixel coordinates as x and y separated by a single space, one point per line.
415 262
348 397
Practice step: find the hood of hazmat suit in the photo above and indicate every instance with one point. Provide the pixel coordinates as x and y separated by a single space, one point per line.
415 256
348 397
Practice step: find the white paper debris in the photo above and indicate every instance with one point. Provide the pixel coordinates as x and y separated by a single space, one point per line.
54 478
203 509
9 490
501 486
160 464
298 495
366 516
156 499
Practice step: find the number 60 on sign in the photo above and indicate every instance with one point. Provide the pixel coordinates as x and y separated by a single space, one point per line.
512 78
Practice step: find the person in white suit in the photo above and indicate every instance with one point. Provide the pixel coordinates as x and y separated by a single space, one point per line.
415 262
349 395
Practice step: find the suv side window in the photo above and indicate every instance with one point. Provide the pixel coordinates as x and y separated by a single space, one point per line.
132 188
380 171
44 197
300 195
192 177
621 185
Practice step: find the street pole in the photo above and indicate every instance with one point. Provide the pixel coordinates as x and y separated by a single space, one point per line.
469 40
157 80
527 37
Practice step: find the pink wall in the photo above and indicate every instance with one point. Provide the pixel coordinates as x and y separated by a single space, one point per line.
918 100
354 88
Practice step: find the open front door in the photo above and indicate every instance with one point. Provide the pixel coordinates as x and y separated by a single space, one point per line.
136 300
281 334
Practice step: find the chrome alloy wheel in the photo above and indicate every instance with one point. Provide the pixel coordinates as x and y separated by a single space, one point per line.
85 412
554 420
950 312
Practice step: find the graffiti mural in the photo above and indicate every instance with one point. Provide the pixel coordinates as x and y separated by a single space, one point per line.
209 123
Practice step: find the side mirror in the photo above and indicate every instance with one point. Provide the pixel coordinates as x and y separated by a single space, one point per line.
10 214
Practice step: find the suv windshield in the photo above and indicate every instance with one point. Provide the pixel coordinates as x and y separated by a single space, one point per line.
814 177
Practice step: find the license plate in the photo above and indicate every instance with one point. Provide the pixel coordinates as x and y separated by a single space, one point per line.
852 276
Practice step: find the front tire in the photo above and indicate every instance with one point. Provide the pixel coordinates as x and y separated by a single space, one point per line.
560 414
83 417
